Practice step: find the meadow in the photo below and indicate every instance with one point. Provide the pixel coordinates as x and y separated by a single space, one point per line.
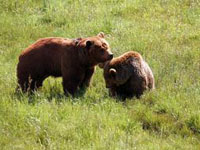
165 32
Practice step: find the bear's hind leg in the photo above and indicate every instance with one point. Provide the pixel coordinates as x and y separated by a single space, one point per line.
36 83
32 85
23 84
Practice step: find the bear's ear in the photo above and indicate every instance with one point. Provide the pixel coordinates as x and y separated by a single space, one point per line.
101 35
77 41
89 44
112 72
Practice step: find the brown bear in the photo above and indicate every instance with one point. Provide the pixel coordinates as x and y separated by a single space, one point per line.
73 59
128 75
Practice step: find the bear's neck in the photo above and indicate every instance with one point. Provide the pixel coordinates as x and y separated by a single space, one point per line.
85 60
87 63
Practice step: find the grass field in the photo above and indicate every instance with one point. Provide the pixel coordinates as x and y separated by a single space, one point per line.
165 32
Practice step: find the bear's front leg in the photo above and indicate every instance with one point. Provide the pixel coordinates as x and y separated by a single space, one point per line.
112 92
88 76
71 84
70 87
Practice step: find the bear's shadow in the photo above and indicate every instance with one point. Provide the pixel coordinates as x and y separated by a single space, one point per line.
53 93
57 95
60 96
123 98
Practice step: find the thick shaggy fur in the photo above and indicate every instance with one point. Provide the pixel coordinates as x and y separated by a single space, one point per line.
74 60
128 75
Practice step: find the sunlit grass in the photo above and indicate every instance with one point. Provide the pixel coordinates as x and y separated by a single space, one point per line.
167 35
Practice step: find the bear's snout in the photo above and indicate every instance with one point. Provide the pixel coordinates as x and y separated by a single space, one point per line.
110 56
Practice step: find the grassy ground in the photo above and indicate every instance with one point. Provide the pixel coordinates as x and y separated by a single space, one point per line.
165 32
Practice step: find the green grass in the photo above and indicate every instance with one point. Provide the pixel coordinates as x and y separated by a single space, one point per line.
165 32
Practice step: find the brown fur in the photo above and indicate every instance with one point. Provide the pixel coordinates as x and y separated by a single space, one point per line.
128 75
74 60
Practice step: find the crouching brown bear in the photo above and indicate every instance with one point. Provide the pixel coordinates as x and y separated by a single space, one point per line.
73 59
128 75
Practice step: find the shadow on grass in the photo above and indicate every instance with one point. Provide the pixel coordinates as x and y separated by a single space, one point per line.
125 98
50 94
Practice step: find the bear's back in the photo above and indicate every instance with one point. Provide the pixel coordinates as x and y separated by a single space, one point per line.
45 46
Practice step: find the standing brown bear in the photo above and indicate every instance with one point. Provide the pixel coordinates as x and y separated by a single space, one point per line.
128 75
74 60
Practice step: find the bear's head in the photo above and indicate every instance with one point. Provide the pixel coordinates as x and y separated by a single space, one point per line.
116 73
96 49
110 77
